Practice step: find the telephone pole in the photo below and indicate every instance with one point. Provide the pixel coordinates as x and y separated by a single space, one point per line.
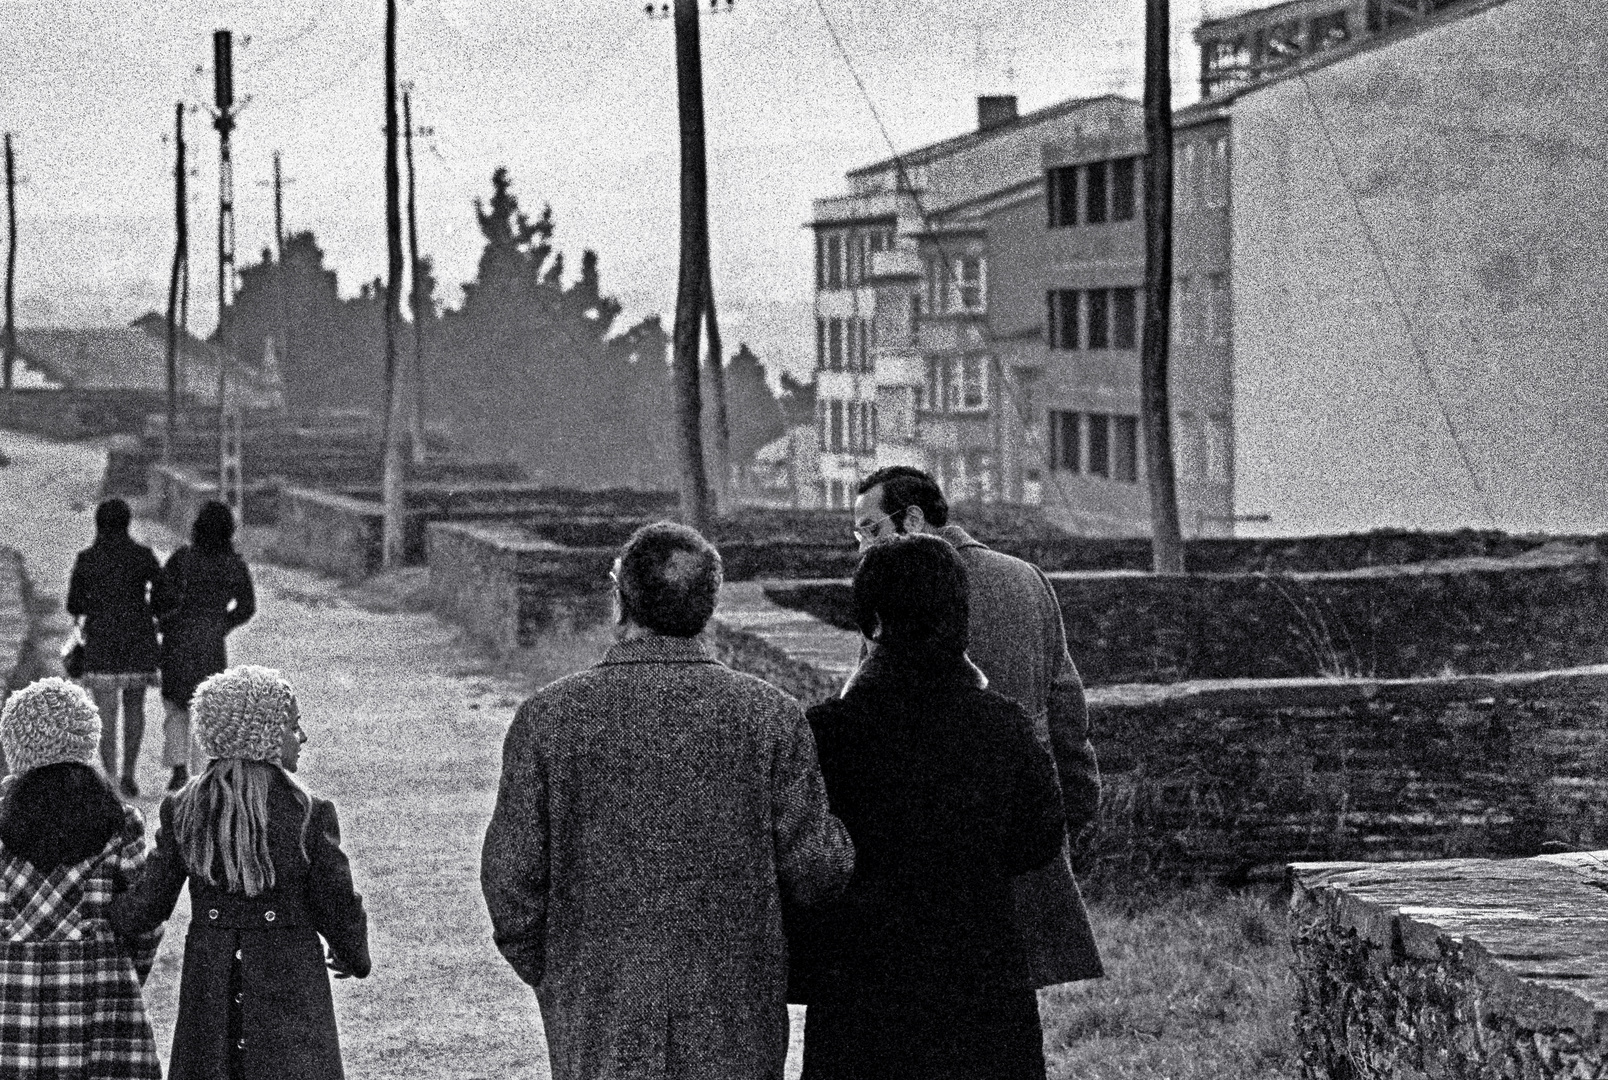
181 258
692 287
279 269
11 263
1166 545
391 475
416 370
224 121
717 388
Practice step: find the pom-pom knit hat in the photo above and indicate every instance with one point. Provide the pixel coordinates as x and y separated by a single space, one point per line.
240 713
48 722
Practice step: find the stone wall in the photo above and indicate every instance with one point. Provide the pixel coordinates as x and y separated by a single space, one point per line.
1542 609
15 622
1231 780
334 534
177 494
1465 968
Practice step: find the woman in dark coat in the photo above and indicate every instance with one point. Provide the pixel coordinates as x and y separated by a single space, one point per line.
918 970
207 593
114 585
254 996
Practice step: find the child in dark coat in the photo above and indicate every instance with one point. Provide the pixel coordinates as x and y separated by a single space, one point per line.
267 877
70 1004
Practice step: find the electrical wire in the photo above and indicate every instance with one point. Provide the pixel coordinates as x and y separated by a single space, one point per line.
1401 308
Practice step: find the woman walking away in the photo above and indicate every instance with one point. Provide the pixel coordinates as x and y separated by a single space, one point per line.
207 593
70 1003
267 877
114 585
918 970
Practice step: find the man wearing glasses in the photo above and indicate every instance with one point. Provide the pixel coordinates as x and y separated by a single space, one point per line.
1018 640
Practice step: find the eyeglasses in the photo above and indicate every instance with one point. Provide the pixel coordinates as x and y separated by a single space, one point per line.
868 531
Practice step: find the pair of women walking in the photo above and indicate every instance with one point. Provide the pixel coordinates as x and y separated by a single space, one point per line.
122 595
83 907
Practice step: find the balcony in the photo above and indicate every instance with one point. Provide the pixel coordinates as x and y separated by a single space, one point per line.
843 209
900 367
951 333
898 264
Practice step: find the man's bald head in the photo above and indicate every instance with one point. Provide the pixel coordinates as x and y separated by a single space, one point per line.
669 579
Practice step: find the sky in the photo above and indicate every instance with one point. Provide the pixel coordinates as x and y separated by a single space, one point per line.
576 99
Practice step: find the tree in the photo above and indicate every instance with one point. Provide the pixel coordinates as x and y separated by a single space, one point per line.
756 415
797 401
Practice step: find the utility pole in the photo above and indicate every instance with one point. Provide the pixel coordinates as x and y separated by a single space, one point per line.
1167 547
279 268
416 369
717 387
391 475
181 257
11 264
692 287
223 121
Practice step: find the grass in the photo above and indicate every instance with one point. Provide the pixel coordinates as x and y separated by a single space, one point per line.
1198 985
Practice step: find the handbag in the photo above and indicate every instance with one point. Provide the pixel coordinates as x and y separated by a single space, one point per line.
72 654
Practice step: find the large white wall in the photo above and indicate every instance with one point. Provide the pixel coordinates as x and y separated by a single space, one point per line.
1478 155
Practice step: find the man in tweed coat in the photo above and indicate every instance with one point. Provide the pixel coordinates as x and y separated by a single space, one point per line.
655 813
1018 640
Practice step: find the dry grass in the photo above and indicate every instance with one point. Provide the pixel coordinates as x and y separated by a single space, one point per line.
1198 986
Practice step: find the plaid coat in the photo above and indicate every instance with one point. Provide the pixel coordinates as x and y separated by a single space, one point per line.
70 1003
655 813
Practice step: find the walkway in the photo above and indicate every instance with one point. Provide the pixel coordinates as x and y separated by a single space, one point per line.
405 726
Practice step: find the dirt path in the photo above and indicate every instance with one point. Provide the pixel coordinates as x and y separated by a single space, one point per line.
405 726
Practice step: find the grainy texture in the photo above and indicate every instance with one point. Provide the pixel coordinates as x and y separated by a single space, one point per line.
1466 967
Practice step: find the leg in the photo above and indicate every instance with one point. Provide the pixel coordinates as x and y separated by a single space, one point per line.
176 742
133 728
106 704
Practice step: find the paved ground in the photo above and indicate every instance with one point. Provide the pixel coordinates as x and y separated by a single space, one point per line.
405 724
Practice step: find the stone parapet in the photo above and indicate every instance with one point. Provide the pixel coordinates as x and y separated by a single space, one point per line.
1467 968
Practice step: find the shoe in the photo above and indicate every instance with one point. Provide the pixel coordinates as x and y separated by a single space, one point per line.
128 787
180 777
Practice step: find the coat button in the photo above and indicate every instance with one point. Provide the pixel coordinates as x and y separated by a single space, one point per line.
237 954
240 1044
212 913
239 998
269 916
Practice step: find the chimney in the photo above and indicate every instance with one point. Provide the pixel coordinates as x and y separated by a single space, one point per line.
994 110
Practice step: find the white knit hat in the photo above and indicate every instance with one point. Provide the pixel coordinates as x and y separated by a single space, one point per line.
48 722
241 713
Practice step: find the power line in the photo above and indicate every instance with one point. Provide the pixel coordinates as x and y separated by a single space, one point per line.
1401 308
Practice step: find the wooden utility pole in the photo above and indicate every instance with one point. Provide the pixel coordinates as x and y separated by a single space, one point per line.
181 255
717 387
692 288
1167 547
391 475
416 369
10 342
279 268
223 121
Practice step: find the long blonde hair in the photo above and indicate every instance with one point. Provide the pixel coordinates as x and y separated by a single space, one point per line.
220 820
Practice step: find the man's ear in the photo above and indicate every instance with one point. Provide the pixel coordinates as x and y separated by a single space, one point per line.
914 520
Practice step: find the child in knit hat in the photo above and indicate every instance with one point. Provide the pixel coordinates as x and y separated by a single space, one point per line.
267 878
69 985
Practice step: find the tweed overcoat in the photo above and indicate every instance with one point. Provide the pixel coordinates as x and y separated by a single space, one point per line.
1018 639
114 584
205 596
254 996
654 814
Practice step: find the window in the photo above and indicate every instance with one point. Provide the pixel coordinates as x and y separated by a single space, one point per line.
915 318
1125 449
1217 185
1186 176
1099 456
1063 318
820 261
1066 441
851 351
834 261
1122 195
969 274
868 332
935 385
971 383
873 408
1124 320
852 423
820 423
834 344
1094 193
1061 191
836 442
1099 301
820 344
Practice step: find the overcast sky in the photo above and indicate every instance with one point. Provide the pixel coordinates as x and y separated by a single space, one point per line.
576 98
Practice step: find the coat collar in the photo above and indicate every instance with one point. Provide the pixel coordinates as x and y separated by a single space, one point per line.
657 649
884 667
959 538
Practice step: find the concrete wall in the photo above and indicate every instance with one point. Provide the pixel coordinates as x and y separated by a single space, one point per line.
1476 154
1455 968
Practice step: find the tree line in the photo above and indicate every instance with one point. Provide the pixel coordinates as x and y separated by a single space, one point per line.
529 365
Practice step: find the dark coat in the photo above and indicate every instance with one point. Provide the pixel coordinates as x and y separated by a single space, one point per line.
1019 641
948 797
286 1015
115 585
655 812
205 597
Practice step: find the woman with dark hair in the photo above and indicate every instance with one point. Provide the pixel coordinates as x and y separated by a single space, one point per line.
208 592
918 969
114 585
